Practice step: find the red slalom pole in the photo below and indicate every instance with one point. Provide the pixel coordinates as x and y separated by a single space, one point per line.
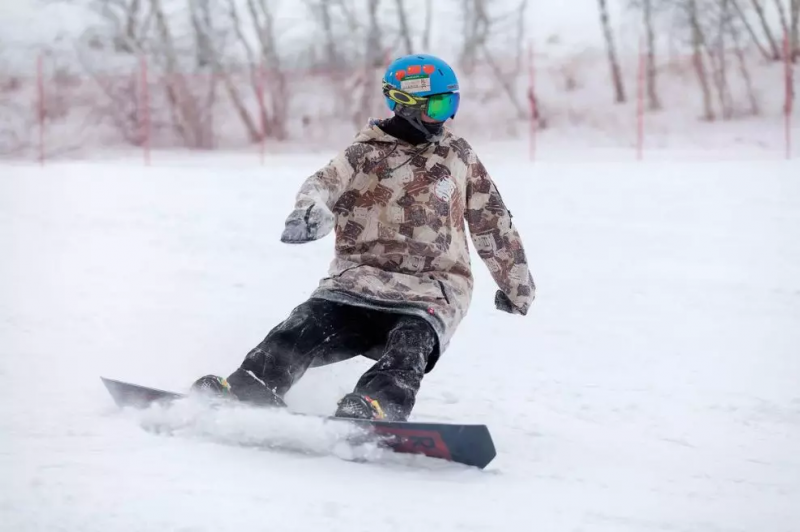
40 106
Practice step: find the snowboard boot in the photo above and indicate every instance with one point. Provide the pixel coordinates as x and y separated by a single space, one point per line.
241 385
212 386
357 406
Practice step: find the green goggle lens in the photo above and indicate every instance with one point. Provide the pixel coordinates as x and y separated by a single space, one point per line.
443 106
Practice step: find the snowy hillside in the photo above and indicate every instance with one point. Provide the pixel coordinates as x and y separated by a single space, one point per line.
92 97
652 387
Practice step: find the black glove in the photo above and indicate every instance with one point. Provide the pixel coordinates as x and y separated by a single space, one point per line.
305 225
502 302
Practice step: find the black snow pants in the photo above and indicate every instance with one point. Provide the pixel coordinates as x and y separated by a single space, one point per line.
320 332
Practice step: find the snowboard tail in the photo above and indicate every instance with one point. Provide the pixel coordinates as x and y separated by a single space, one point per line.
127 395
470 445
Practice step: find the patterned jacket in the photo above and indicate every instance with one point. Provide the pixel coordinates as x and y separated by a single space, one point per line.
401 213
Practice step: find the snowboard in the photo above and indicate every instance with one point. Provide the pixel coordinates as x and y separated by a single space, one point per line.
470 445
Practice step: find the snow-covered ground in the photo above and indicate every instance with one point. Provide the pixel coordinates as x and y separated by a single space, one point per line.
654 385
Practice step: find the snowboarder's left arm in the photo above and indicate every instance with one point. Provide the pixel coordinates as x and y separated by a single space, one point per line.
498 242
312 217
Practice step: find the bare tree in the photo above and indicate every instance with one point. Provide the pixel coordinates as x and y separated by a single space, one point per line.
274 122
653 99
126 14
208 43
372 59
522 9
718 60
482 24
698 43
776 49
331 48
350 17
476 32
743 70
404 31
185 110
783 18
426 36
337 59
130 22
506 82
255 131
203 26
373 45
267 79
753 35
122 105
616 72
116 100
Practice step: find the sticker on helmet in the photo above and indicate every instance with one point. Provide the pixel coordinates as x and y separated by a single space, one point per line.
418 84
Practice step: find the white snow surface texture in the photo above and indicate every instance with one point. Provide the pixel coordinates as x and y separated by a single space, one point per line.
654 386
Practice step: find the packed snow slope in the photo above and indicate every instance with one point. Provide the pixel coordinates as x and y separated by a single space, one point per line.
653 386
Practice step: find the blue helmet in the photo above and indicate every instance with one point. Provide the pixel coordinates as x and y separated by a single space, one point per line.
413 80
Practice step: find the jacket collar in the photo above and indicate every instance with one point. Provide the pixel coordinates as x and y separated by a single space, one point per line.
372 133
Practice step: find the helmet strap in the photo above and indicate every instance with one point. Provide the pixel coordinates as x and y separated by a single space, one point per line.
432 131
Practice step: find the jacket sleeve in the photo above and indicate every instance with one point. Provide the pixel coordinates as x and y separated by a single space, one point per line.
496 239
327 185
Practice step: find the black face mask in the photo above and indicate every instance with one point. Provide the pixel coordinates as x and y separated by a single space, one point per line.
432 131
403 129
434 128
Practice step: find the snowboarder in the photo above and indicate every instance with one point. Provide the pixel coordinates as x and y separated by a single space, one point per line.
399 199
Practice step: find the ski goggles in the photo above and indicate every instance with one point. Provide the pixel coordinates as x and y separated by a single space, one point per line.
439 107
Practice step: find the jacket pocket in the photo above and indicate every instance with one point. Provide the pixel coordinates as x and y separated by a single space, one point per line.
345 271
443 288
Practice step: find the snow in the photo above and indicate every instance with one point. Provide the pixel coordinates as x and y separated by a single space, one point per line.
653 386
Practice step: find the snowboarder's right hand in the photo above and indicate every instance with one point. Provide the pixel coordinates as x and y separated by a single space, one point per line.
503 302
305 225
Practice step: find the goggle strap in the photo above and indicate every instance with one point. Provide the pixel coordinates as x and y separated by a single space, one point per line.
403 98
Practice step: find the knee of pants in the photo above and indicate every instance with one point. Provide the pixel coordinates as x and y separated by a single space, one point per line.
415 331
414 362
412 335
